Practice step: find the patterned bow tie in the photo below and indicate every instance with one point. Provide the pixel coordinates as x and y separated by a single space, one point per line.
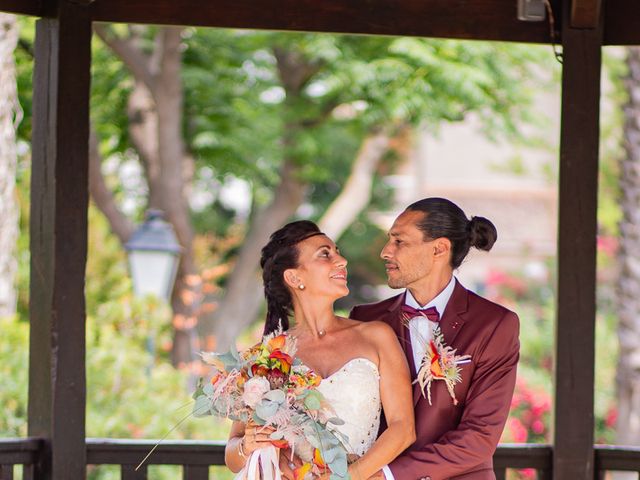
430 313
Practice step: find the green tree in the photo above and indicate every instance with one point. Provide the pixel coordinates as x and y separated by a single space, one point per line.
360 94
304 119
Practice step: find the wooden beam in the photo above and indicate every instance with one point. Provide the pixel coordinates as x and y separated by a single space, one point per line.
22 7
622 22
486 19
58 240
585 13
575 325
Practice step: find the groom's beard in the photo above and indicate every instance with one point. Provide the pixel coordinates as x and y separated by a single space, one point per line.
396 283
398 280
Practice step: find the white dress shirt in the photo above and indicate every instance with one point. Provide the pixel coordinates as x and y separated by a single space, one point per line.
421 328
421 331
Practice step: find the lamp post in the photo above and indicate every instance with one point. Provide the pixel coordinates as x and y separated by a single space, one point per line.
153 257
153 252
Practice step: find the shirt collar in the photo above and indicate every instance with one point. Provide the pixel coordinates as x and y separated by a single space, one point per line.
439 302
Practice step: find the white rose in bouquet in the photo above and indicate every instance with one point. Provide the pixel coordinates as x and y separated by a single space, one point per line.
254 389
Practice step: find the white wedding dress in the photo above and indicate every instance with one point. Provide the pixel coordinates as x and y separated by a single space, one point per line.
354 393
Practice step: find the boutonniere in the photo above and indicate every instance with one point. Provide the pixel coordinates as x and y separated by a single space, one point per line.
440 362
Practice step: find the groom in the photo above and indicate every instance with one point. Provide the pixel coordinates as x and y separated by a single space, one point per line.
427 242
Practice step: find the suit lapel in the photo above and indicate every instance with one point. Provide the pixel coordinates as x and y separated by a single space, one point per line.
453 320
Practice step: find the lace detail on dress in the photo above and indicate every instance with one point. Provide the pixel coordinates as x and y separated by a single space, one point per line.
354 393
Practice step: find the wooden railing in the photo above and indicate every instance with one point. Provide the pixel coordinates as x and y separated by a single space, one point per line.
196 457
19 451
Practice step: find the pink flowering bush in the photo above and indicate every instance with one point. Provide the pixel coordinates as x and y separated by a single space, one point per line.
530 418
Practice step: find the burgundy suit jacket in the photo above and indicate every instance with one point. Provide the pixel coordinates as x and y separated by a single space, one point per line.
458 441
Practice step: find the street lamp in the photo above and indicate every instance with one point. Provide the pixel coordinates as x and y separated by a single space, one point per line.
153 257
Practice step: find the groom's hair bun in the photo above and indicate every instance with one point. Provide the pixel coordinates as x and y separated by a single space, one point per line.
278 255
483 233
444 219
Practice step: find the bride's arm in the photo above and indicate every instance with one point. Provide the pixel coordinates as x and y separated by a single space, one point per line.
234 454
397 403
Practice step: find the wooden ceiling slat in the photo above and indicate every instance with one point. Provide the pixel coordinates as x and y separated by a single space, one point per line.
22 7
478 19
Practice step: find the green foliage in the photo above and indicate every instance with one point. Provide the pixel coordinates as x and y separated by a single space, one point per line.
130 393
240 121
611 142
14 367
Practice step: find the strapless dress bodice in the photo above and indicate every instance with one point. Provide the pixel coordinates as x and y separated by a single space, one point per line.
354 393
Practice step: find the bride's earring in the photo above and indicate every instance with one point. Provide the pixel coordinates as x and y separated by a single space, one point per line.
301 286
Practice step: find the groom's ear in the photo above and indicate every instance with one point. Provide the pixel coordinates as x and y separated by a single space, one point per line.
291 278
441 247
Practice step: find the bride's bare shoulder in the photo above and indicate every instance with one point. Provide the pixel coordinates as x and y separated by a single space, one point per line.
376 330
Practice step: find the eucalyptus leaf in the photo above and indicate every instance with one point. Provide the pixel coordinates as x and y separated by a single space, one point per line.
335 421
257 420
329 455
231 360
312 402
202 406
313 440
199 390
277 396
339 466
207 389
338 477
266 409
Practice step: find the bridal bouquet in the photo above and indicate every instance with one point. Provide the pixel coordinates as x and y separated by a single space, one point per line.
270 386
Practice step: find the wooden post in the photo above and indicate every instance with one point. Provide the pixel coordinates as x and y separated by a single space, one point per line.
58 230
575 327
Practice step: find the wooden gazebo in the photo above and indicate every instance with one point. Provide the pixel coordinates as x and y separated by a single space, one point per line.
57 448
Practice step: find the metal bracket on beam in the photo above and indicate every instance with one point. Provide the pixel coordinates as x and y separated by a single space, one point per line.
585 13
531 10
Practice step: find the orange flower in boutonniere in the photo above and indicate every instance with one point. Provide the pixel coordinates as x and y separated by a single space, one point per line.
440 362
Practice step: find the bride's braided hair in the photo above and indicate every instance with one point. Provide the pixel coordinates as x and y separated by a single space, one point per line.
280 254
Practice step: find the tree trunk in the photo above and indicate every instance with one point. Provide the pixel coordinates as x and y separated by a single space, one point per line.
9 210
356 193
628 287
243 293
243 296
155 110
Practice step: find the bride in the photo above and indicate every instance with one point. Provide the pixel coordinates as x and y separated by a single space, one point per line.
361 363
